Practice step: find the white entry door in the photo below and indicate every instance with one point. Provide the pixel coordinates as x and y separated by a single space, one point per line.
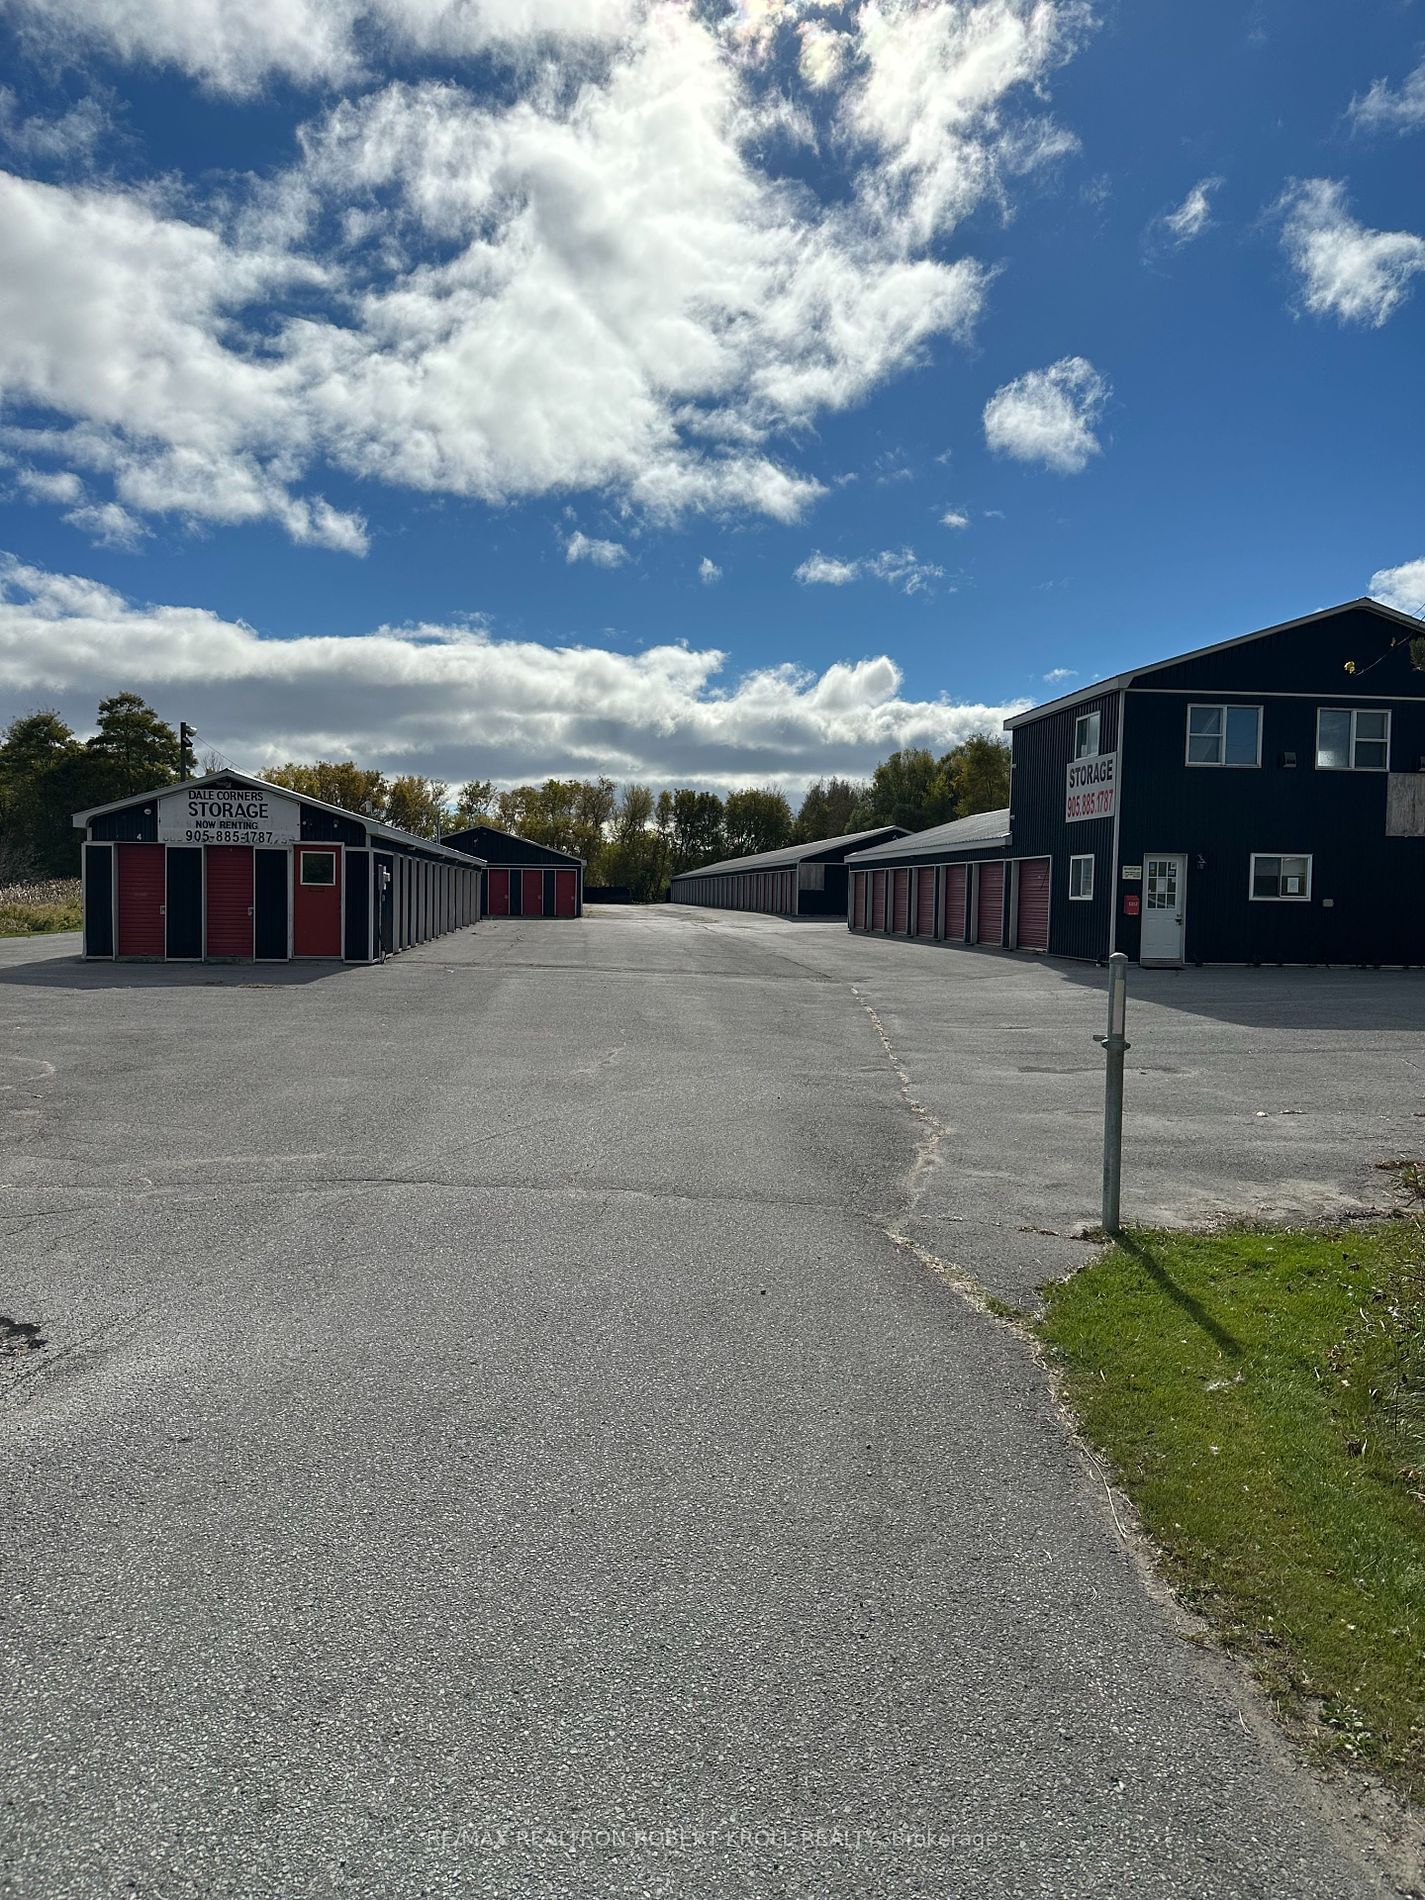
1164 909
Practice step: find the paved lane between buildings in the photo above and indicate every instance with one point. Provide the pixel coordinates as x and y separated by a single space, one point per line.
488 1444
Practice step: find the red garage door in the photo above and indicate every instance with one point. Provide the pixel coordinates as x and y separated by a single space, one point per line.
990 927
858 900
878 900
229 900
955 883
1033 932
566 893
141 900
925 902
532 893
499 893
900 902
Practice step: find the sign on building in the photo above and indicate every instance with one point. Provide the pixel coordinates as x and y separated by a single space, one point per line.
1092 790
202 814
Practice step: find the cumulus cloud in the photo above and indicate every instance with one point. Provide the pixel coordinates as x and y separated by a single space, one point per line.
107 524
898 567
954 518
1048 415
458 702
583 547
709 573
68 138
1346 271
1402 587
1057 675
1384 109
584 280
1189 220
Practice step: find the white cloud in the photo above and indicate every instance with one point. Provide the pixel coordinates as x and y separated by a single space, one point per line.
898 567
585 279
1402 587
57 485
1191 218
1346 271
954 518
709 573
458 702
107 524
1048 415
583 547
1057 675
1384 110
69 138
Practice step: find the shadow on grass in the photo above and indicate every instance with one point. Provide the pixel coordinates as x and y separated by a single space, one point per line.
1186 1302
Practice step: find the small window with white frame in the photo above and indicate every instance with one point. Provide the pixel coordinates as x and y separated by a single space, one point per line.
1080 880
1352 739
1224 735
319 867
1086 735
1280 878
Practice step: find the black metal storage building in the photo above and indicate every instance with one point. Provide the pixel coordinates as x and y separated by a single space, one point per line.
801 880
521 878
1261 800
228 868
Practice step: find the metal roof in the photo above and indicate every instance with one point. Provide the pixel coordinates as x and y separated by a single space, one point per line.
961 834
1121 680
494 831
791 854
374 826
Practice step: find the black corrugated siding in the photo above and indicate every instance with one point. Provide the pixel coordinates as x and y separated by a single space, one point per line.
98 900
1043 750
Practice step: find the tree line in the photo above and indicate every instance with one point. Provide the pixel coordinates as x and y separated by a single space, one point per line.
630 836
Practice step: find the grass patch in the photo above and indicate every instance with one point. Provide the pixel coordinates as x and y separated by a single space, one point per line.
1261 1397
28 910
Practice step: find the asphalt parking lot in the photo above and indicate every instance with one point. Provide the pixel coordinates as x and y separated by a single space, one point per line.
490 1440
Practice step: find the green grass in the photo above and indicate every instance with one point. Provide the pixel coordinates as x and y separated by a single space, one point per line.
28 910
1261 1398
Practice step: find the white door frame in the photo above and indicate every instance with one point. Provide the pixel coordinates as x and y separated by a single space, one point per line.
1180 859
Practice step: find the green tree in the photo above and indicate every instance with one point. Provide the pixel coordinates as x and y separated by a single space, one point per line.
475 804
417 805
336 782
826 811
906 789
697 830
977 774
637 853
135 750
756 821
42 781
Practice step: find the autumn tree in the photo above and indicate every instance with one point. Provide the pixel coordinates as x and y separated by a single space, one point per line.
697 827
756 821
474 805
976 774
907 789
417 805
336 782
826 810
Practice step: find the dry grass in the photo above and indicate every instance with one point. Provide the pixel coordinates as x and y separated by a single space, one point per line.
32 909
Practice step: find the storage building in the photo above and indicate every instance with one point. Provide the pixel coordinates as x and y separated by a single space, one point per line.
802 880
521 878
228 868
1261 800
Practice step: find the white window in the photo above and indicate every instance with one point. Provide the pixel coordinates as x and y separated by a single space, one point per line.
1086 728
319 867
1224 735
1352 741
1080 879
1280 879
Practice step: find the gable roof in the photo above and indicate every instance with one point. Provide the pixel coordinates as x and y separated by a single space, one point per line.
1121 680
375 827
495 835
980 828
790 854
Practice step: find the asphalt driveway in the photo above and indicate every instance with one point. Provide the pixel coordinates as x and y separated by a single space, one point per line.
492 1438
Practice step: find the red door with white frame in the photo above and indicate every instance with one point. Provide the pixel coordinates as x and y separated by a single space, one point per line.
316 909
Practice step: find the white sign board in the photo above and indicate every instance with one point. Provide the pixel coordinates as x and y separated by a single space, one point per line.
1092 789
202 814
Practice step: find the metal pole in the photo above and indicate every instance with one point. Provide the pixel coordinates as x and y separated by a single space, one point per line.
1115 1046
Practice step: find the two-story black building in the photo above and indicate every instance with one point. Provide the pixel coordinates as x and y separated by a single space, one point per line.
1257 801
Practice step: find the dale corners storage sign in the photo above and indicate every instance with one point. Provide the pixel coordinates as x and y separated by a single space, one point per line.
201 814
1092 790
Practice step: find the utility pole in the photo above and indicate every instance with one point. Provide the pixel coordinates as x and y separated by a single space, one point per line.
1116 1046
186 736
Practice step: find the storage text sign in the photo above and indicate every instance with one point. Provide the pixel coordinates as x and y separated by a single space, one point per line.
201 815
1092 788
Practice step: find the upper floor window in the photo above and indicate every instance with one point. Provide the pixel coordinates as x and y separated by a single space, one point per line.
1349 740
1224 735
1086 730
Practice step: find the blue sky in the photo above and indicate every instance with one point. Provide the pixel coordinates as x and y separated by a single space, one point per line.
504 389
